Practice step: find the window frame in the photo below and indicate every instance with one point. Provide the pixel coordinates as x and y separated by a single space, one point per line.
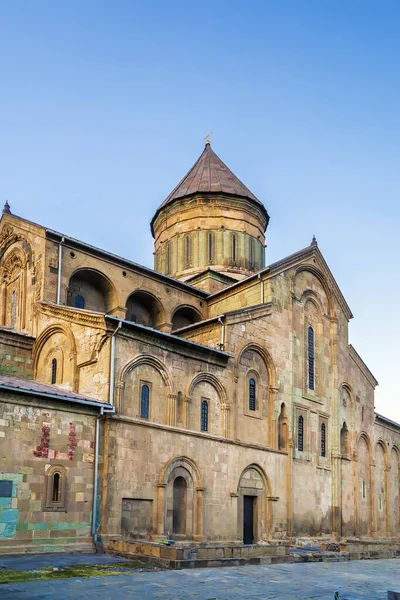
234 248
259 394
144 385
251 253
188 251
300 432
311 358
323 440
205 412
79 304
252 394
60 504
54 366
210 247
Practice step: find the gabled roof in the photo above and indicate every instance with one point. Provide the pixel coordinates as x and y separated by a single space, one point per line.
209 175
302 257
35 388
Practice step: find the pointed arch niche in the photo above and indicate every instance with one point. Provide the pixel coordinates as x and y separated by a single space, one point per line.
180 500
56 343
257 414
146 376
13 273
254 516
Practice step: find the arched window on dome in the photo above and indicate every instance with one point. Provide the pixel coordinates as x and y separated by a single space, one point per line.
210 247
251 253
187 251
169 257
234 248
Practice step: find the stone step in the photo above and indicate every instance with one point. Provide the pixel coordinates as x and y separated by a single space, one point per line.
79 548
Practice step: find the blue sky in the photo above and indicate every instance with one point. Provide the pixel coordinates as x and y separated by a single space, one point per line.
104 106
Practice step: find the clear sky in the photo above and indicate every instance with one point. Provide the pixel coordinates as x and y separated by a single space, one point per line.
104 106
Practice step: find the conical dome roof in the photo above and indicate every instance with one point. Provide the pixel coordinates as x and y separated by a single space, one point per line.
209 175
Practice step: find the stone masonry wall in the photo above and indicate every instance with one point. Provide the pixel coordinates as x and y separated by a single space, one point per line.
36 440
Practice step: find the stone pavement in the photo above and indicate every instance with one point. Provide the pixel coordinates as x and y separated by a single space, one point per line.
355 580
36 561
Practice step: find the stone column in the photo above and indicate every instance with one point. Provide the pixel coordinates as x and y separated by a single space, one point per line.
387 499
225 408
335 435
198 534
172 409
160 508
273 422
372 496
289 493
185 418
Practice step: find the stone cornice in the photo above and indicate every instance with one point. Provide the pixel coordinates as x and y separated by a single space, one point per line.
72 315
362 366
10 337
170 342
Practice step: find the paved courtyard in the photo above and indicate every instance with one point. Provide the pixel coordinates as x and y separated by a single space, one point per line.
354 580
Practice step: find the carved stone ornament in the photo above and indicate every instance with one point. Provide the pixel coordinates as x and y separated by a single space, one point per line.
12 266
7 232
311 313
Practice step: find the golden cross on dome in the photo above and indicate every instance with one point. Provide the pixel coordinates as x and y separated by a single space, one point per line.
207 136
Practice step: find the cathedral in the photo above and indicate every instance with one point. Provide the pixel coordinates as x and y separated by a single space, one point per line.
211 408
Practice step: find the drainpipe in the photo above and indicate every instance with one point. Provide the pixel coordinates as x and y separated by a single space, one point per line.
262 288
112 365
222 344
59 271
96 476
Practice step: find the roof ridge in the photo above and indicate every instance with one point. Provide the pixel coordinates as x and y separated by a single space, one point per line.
209 175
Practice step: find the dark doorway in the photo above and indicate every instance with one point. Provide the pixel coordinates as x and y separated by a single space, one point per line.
248 519
179 506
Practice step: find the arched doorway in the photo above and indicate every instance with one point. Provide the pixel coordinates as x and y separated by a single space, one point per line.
253 518
180 498
179 506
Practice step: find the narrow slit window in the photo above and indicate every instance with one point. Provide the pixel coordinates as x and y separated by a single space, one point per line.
54 370
56 488
79 301
144 405
168 257
13 308
204 415
252 394
323 440
300 434
210 247
187 251
234 248
364 489
251 252
311 359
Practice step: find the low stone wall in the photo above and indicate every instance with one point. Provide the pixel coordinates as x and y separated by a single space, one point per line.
369 549
179 557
